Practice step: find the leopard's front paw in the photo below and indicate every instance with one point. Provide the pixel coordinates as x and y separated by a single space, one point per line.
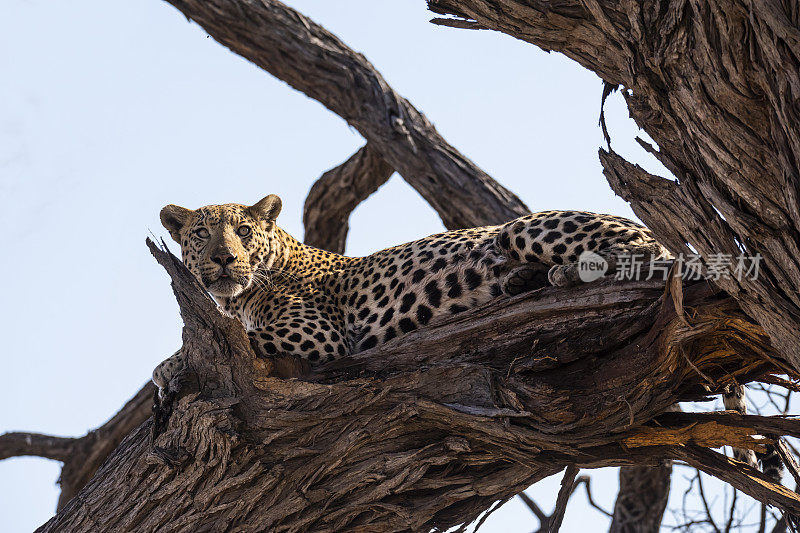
523 279
168 369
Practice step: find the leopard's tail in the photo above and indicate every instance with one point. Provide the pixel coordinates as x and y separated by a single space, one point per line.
769 461
734 400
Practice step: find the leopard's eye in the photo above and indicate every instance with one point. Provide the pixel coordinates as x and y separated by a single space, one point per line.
202 233
243 231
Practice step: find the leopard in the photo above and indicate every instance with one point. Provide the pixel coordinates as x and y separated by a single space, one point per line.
298 300
294 299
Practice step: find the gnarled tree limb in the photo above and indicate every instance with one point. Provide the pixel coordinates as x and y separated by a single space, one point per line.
429 442
82 456
716 85
593 35
337 192
312 60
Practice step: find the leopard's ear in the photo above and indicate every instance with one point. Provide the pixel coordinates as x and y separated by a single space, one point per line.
267 209
174 218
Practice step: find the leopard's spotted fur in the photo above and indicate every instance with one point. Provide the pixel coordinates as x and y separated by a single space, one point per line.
294 299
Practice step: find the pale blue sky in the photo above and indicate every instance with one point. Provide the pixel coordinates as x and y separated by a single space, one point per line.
109 110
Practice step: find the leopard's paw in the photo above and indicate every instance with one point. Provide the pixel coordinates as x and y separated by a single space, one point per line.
168 369
523 279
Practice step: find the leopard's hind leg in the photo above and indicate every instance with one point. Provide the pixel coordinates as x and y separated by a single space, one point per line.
559 240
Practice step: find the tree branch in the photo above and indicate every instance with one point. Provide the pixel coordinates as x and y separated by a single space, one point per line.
334 196
411 445
566 26
312 60
707 83
489 415
545 520
19 444
337 192
82 456
642 497
91 450
716 86
567 484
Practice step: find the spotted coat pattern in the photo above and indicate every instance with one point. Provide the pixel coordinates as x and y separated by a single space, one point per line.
295 299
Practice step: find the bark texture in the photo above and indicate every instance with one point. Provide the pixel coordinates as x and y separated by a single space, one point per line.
717 86
409 442
642 499
432 429
337 192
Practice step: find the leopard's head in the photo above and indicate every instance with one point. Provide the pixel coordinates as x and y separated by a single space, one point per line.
224 245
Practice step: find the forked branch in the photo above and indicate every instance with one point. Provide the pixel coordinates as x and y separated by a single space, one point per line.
298 51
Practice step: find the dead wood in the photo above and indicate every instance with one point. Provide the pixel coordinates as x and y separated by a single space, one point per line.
417 442
716 86
567 484
17 444
642 499
491 425
337 192
394 127
545 519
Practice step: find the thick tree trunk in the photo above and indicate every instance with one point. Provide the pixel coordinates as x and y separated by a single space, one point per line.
642 499
717 86
429 436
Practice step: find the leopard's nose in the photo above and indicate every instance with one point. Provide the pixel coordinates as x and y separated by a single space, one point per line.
223 258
